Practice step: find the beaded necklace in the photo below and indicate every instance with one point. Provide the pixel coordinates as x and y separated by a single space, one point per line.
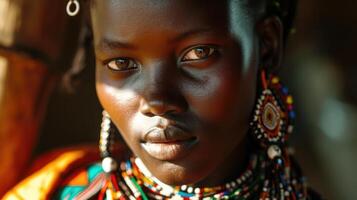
261 180
243 186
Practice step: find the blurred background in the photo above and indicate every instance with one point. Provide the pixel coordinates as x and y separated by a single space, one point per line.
38 44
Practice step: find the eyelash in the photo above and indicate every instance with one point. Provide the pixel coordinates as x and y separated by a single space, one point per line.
206 50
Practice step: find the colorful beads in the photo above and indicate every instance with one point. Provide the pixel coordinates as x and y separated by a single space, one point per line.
132 183
268 119
273 114
157 188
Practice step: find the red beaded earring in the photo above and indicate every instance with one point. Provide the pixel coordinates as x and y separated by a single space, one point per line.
270 127
273 115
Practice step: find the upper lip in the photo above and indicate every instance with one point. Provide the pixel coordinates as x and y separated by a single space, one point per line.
169 134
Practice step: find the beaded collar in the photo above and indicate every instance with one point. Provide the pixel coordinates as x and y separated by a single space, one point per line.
262 179
144 185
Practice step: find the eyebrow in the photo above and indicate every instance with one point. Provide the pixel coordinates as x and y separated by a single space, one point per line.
107 44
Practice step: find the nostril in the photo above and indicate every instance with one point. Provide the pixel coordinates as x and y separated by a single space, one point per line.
145 108
158 108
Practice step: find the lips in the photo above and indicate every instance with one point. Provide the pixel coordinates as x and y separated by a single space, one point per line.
169 143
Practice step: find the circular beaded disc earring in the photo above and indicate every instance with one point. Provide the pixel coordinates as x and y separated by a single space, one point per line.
273 115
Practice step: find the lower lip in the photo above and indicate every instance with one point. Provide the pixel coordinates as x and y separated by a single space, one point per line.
169 151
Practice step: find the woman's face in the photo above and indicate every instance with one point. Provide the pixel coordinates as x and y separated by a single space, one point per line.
178 79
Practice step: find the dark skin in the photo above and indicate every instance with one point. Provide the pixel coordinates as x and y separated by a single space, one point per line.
192 63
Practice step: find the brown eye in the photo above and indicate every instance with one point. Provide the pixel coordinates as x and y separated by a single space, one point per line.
199 53
122 64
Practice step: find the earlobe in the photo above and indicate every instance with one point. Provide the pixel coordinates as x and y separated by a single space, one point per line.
270 33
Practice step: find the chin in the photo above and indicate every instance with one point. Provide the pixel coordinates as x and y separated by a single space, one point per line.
189 169
171 173
177 177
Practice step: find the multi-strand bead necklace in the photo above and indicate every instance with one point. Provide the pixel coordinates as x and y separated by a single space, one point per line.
134 181
153 188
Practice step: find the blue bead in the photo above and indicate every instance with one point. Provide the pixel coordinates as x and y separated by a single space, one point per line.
280 161
292 115
128 165
285 90
184 194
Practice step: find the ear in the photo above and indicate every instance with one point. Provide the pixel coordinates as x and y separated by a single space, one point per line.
270 33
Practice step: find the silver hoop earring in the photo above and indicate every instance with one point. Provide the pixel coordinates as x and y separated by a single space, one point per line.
73 12
106 145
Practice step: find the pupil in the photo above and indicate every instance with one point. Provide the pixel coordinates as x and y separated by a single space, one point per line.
201 52
122 62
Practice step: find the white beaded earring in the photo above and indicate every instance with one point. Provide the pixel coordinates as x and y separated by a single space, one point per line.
106 145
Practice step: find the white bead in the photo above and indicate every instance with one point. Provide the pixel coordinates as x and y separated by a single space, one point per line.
183 187
290 129
109 194
190 190
274 151
109 165
233 184
104 134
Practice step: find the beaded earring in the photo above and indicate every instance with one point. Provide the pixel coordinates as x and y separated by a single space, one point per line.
273 116
271 126
106 144
109 164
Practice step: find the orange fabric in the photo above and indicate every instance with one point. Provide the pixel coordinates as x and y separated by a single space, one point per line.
41 184
79 179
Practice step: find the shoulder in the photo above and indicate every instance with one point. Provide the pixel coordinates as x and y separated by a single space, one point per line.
85 182
51 170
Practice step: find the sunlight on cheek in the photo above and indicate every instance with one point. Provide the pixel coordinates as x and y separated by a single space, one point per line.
116 99
138 123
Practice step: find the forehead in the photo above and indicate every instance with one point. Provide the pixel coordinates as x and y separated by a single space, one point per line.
126 17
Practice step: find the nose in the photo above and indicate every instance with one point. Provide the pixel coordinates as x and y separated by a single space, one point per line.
161 92
159 107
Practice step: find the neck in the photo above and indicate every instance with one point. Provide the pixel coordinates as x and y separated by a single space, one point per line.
231 168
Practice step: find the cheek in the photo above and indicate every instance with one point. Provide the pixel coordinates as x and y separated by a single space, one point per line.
112 95
226 93
121 104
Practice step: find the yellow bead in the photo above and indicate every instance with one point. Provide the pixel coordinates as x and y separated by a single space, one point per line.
275 80
289 100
